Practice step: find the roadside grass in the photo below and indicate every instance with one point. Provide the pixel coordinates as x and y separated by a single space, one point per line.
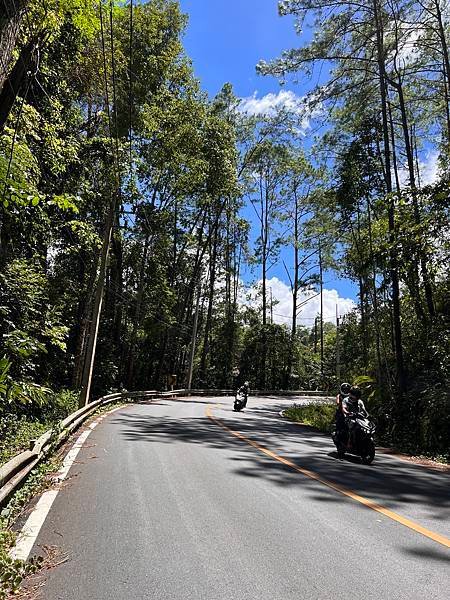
17 431
320 416
17 436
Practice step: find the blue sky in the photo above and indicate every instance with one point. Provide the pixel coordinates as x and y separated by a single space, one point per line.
225 40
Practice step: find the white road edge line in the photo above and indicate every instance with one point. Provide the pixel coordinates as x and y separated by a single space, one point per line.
32 526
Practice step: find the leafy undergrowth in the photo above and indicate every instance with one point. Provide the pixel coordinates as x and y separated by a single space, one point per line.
17 435
18 432
320 416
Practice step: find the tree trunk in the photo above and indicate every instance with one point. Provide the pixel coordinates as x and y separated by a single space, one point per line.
117 285
393 267
16 80
264 239
14 11
84 312
446 60
193 341
321 309
362 294
410 160
294 288
129 376
375 297
96 313
212 281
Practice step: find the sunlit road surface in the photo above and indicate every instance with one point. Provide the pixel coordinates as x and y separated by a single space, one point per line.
181 500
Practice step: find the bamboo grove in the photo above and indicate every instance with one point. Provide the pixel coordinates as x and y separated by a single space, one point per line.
132 205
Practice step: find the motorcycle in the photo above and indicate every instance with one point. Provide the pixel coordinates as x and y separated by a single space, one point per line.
240 400
358 439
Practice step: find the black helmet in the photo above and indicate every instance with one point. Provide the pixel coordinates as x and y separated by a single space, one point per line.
355 392
345 389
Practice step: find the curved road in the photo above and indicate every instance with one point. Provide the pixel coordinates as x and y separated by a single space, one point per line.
165 502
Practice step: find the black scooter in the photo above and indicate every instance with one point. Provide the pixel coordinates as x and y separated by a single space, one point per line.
358 439
240 400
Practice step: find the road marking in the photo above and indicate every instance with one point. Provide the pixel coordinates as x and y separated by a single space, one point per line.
436 537
32 527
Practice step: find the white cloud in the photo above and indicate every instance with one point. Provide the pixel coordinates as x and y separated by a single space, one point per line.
429 169
282 311
269 104
409 50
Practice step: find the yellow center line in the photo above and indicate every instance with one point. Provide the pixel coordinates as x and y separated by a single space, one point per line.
436 537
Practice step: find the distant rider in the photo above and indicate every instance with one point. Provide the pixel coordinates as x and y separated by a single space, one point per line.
244 390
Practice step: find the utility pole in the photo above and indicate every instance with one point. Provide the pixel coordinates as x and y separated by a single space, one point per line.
86 378
194 338
88 366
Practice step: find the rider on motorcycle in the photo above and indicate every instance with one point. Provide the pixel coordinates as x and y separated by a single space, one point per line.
352 405
344 391
339 417
240 399
244 389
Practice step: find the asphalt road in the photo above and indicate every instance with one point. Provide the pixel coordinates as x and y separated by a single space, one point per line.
165 503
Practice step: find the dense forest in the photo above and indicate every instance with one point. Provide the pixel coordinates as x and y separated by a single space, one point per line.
123 240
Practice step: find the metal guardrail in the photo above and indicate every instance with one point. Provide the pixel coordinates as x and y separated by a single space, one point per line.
306 393
14 472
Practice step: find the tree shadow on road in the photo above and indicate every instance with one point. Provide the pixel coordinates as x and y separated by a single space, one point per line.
395 484
428 553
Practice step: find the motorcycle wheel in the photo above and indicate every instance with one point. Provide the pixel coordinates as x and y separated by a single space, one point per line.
369 454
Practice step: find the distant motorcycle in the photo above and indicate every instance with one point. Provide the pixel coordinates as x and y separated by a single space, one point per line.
240 399
358 440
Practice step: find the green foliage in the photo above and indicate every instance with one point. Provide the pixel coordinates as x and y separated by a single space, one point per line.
186 166
30 329
16 433
13 571
266 353
320 416
18 430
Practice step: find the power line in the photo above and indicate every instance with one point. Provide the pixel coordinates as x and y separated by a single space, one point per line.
130 98
113 69
88 365
105 76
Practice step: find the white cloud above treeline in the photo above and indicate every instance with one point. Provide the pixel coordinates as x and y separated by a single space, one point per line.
428 169
271 103
282 303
